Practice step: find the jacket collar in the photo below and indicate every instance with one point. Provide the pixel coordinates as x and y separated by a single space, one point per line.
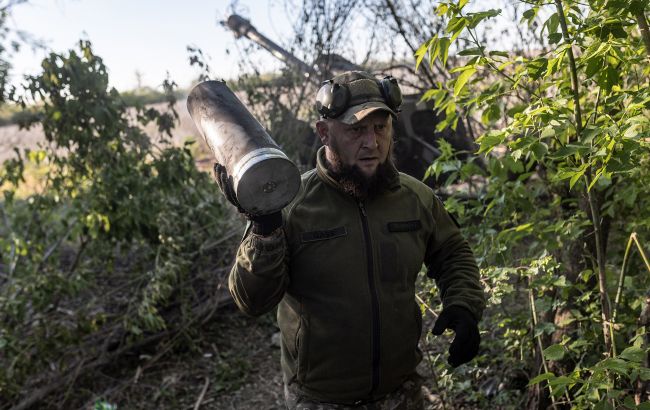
325 174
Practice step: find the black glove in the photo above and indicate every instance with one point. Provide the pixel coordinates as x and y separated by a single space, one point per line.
260 224
464 347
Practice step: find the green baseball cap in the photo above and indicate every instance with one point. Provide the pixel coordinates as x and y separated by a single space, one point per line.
365 96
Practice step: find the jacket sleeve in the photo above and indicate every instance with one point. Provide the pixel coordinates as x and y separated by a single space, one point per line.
259 277
451 263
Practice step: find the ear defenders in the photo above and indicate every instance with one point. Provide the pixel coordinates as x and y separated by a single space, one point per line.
333 99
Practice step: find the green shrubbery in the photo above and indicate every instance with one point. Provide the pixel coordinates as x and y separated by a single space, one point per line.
565 185
122 244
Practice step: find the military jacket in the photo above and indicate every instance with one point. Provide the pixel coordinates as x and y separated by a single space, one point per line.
342 273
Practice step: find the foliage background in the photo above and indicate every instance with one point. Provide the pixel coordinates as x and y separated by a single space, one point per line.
116 251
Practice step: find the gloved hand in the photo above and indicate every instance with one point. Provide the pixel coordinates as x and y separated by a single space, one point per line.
464 347
262 225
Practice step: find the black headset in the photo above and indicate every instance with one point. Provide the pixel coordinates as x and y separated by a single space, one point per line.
333 99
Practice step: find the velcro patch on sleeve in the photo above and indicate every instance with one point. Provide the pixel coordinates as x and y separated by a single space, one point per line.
404 226
322 235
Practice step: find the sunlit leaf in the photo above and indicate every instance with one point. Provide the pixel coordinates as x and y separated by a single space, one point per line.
462 80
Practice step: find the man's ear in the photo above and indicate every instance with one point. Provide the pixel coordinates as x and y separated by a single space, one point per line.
323 131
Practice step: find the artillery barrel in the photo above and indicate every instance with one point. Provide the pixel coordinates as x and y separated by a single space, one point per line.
242 27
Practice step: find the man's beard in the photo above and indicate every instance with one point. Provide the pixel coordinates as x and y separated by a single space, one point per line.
354 182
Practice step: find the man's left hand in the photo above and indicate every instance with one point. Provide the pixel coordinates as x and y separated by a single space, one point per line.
464 347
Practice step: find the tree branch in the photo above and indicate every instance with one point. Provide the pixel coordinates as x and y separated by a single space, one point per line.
645 31
594 205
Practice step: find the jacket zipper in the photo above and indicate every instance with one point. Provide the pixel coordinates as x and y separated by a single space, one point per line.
374 299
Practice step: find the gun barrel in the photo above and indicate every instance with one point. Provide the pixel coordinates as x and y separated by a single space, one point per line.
242 27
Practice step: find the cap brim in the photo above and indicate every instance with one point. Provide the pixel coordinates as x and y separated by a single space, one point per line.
358 112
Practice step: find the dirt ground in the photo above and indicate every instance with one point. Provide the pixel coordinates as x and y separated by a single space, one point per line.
231 365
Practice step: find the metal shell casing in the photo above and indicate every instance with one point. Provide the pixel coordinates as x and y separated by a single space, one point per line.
263 178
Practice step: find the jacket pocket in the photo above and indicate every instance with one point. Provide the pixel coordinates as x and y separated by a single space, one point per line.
389 259
323 234
404 226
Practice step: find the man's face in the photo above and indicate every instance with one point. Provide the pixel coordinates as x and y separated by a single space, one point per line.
365 144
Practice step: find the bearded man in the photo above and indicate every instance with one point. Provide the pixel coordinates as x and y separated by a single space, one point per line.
340 263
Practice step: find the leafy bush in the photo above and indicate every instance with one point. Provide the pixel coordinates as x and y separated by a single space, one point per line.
122 244
563 191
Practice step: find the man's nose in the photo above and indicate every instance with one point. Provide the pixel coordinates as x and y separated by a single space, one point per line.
369 138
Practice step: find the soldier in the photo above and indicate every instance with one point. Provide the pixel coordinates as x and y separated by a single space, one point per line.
341 260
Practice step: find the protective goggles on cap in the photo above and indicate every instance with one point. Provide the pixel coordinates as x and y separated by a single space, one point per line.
334 99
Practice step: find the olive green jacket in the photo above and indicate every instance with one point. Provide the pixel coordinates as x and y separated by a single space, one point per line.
343 275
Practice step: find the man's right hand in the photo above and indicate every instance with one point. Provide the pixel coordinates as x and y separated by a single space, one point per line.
262 225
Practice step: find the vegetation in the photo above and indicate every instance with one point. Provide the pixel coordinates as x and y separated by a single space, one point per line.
119 247
563 203
113 244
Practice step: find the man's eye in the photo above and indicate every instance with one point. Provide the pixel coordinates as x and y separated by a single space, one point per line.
357 130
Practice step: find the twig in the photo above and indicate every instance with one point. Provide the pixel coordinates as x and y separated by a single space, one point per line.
435 380
435 315
402 32
202 395
64 379
643 26
593 202
12 254
39 394
533 312
621 277
54 246
643 255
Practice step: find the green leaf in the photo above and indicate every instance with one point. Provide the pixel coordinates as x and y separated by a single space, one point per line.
491 114
524 227
561 282
475 51
462 80
603 405
560 383
554 352
529 15
491 139
635 6
608 78
593 66
568 150
540 378
615 365
456 26
516 109
576 177
644 373
544 328
499 53
421 52
644 406
476 18
547 133
554 38
539 149
443 44
633 354
552 23
537 67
